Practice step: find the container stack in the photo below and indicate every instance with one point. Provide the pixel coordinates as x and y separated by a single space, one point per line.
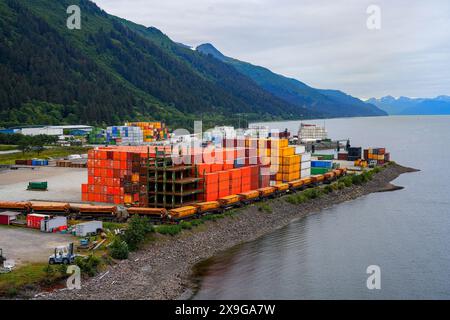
97 136
354 153
32 162
113 177
124 135
152 131
305 167
321 166
378 154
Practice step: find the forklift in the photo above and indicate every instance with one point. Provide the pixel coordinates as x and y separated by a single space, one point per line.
63 255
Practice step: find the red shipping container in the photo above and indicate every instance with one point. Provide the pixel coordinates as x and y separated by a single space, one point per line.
34 220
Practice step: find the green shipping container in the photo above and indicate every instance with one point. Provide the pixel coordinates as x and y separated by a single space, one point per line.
37 186
315 171
324 156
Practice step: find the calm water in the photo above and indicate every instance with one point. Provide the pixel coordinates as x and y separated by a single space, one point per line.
325 256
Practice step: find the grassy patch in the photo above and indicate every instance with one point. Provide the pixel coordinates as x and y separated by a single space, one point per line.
169 229
113 225
212 217
56 152
186 225
197 222
5 147
264 207
29 275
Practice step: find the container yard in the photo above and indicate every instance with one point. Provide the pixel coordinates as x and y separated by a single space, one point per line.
142 173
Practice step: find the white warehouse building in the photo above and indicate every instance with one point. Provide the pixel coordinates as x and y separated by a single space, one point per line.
52 130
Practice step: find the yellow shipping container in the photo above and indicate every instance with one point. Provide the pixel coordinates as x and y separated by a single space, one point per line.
289 168
291 176
288 151
289 160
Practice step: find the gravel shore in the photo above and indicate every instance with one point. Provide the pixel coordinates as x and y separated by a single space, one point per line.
163 269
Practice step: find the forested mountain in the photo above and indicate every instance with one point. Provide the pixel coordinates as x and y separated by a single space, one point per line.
330 103
113 70
413 106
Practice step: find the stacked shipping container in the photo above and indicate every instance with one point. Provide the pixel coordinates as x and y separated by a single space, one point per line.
121 175
152 131
378 154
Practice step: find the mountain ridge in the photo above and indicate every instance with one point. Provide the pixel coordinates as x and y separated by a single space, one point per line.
439 105
333 103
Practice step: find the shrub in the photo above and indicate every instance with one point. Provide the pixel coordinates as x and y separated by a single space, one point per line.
119 249
88 265
170 229
312 193
340 185
196 222
328 189
135 233
186 225
347 181
357 179
296 198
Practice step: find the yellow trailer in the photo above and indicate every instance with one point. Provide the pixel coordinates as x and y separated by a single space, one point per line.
249 196
266 192
317 178
207 206
296 184
229 200
281 187
182 212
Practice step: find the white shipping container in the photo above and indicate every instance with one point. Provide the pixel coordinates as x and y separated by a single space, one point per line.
306 165
305 173
306 157
300 149
86 228
47 225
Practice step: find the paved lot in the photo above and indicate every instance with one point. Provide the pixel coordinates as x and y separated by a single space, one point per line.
28 245
64 184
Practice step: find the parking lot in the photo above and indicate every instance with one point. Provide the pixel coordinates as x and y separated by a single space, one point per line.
25 245
64 184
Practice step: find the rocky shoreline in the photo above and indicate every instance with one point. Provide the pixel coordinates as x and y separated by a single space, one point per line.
163 269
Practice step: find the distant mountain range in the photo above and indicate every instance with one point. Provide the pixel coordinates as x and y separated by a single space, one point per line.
413 106
113 70
330 103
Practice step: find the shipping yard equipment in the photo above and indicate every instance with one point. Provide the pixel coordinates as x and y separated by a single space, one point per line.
329 177
88 211
54 207
249 196
318 178
266 192
208 207
296 184
88 228
182 213
153 214
63 255
37 186
229 201
281 188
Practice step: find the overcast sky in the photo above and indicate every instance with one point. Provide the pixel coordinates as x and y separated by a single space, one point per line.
325 44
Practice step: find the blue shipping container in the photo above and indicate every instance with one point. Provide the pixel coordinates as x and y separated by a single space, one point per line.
321 164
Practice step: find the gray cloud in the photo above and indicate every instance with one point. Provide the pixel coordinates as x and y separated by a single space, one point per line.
325 44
